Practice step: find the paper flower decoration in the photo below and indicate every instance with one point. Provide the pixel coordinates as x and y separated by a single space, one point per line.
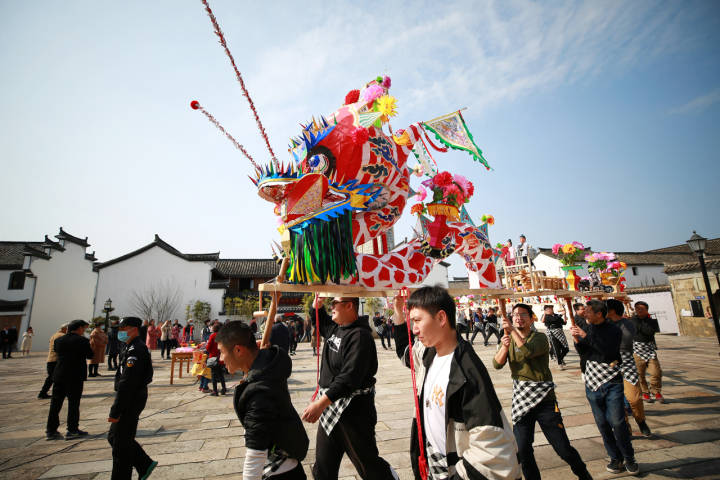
387 105
421 194
569 253
372 92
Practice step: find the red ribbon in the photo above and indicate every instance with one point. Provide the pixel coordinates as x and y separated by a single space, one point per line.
317 336
439 149
422 460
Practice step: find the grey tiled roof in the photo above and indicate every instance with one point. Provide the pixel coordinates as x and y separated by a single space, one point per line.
12 254
248 267
159 242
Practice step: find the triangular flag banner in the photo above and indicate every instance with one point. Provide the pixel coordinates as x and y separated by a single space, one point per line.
465 218
452 131
425 159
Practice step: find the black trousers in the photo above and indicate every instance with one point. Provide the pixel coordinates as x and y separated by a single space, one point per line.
73 392
490 330
354 435
218 376
558 348
477 329
7 350
112 361
165 346
49 380
126 452
548 416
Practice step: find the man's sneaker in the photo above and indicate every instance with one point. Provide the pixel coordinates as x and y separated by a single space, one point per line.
149 470
644 429
53 435
615 466
43 396
659 398
631 466
75 434
646 397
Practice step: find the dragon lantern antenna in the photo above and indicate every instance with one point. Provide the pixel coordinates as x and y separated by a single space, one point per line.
195 105
221 38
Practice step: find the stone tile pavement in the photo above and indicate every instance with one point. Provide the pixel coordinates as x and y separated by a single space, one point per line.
195 436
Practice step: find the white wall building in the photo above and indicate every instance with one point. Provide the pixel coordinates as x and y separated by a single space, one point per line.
53 284
158 267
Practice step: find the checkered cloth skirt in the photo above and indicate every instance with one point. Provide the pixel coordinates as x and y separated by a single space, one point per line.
526 395
331 415
276 457
437 463
645 350
598 374
628 368
559 334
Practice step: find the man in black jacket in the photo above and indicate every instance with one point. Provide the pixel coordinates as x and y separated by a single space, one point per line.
132 377
275 439
464 432
345 403
599 346
554 324
645 353
72 350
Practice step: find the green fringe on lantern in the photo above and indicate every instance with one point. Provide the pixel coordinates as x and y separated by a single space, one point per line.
323 252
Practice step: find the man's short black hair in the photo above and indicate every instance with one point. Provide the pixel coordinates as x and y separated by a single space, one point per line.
577 306
236 333
432 300
615 305
525 307
642 303
76 325
548 306
598 306
492 309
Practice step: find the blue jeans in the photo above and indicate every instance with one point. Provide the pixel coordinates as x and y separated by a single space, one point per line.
204 381
608 408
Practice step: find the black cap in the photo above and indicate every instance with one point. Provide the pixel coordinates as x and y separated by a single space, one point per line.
130 322
75 324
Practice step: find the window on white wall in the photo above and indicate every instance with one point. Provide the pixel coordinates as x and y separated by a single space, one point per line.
17 281
634 271
696 307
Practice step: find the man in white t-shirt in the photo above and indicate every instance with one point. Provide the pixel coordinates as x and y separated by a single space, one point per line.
463 429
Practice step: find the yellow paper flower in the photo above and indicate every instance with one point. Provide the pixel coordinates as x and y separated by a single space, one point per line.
387 105
568 249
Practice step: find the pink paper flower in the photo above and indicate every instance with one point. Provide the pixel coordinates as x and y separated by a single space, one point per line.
578 245
421 194
556 248
372 92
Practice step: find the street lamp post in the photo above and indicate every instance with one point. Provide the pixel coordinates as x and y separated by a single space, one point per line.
697 245
108 308
716 271
362 306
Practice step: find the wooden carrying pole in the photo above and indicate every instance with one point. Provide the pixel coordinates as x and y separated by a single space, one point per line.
265 343
571 314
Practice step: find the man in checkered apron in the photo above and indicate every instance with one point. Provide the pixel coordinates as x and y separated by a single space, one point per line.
599 345
345 402
556 334
645 351
631 384
534 399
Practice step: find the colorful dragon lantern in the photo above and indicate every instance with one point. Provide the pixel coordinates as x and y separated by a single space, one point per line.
348 183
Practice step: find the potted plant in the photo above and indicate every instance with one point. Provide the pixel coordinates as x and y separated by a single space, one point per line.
569 255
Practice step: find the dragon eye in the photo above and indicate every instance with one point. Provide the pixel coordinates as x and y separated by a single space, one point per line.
318 163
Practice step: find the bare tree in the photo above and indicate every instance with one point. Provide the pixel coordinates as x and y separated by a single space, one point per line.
143 302
167 302
160 302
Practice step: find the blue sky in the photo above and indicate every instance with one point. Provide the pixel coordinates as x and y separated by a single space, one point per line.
601 119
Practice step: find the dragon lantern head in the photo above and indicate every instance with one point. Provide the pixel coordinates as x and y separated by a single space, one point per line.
346 178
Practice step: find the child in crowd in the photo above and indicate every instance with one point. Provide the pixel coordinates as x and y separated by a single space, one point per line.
201 370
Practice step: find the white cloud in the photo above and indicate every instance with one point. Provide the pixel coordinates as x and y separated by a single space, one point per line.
698 104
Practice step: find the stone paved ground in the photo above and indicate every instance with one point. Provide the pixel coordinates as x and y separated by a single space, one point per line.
192 435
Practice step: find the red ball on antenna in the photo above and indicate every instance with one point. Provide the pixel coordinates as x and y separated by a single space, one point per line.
195 105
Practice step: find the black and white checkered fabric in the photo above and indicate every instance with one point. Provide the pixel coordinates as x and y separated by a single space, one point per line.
276 457
645 350
598 374
331 415
628 368
526 395
559 334
437 463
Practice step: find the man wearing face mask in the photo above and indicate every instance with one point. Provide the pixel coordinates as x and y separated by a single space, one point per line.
134 373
